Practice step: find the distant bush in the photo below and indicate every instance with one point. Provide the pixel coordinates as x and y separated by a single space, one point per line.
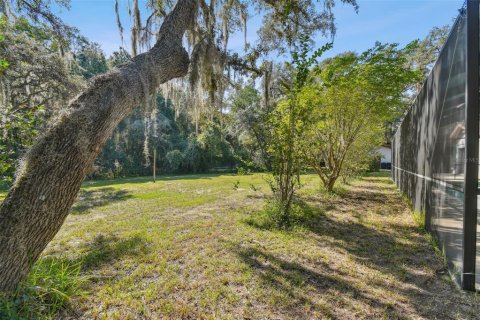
194 159
174 159
243 171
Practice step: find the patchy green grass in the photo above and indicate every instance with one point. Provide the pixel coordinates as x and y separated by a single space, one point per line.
48 289
200 247
419 218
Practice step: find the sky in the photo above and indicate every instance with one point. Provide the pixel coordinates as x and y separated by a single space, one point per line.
399 21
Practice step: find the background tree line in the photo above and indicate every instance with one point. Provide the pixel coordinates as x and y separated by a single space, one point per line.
37 81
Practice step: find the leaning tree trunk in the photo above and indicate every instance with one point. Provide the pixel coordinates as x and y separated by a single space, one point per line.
51 175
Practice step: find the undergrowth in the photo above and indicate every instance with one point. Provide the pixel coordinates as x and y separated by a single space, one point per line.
271 217
419 218
47 290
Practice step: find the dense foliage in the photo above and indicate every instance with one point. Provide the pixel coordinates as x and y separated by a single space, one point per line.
206 139
194 124
241 124
36 81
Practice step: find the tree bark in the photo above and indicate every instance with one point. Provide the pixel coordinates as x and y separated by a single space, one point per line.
51 174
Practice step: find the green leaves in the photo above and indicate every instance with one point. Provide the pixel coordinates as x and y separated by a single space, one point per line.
349 99
289 123
4 64
39 81
303 61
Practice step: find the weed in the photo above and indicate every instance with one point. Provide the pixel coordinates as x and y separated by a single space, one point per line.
235 185
419 218
254 188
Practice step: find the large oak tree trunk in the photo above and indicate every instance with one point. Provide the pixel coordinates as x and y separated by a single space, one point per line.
50 177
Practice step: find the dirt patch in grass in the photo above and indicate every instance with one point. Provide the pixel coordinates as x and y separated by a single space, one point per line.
182 249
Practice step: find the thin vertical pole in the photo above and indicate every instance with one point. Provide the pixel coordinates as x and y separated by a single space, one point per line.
154 163
471 145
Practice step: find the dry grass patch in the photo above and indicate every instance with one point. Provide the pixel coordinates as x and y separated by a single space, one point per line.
194 247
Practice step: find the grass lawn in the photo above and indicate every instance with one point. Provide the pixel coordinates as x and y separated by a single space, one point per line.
195 247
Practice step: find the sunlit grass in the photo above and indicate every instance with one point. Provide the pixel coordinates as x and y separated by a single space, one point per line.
201 246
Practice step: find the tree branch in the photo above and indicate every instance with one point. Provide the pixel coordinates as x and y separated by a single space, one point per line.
51 175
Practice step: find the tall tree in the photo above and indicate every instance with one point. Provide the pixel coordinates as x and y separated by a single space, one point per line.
53 170
350 100
250 124
427 51
90 59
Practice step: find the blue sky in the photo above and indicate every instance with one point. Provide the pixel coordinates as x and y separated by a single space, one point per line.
398 21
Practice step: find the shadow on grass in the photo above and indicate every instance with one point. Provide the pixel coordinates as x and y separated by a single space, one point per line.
103 250
364 225
361 199
291 283
379 174
54 281
109 182
90 199
106 249
381 181
376 246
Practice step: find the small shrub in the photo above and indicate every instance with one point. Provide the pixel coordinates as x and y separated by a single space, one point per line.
241 171
280 216
273 216
254 188
47 290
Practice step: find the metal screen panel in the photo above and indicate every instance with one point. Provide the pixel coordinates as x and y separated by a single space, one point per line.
428 151
477 264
